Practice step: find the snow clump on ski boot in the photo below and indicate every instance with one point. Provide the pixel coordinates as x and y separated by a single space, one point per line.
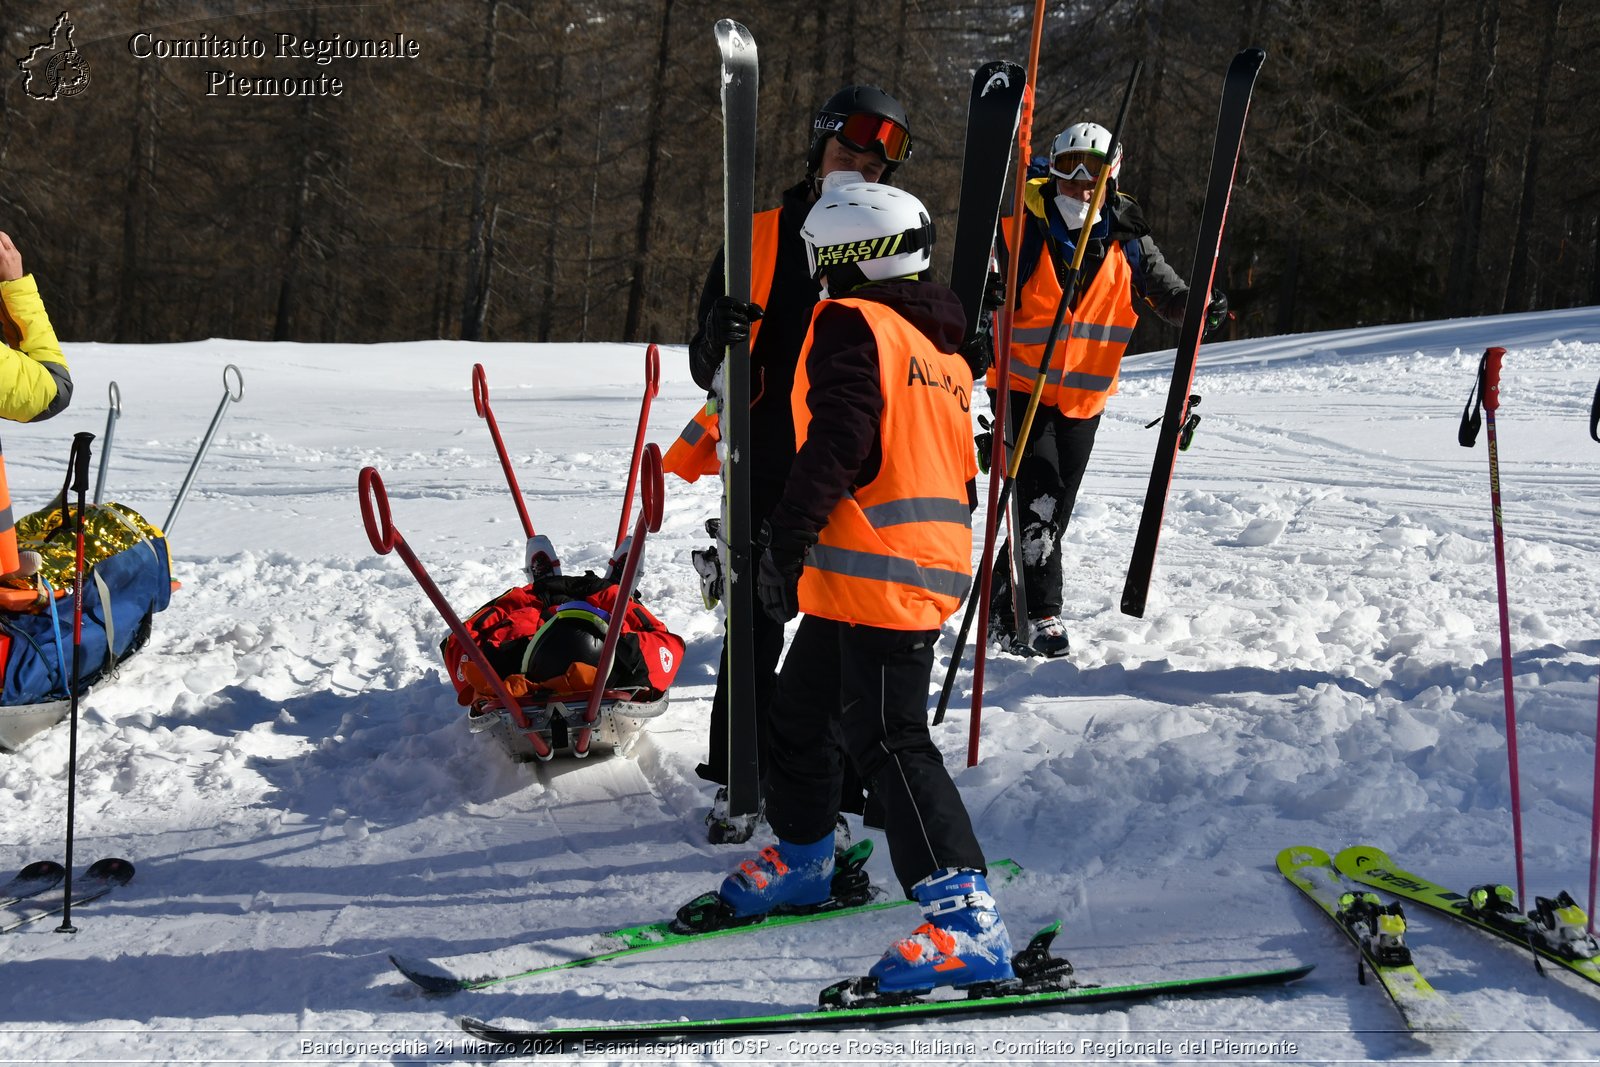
964 941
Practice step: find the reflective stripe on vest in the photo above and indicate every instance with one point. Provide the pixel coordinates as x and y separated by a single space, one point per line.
695 451
897 552
1088 353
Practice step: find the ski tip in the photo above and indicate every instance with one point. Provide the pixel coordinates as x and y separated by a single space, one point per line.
426 975
1251 58
734 33
112 869
41 870
1297 856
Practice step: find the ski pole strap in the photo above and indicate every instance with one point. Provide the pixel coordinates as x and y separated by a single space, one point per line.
1485 394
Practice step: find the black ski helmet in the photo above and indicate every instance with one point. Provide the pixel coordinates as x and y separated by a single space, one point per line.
574 634
855 100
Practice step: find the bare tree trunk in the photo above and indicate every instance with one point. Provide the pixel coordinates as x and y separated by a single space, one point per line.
475 305
1517 288
1461 289
135 199
652 173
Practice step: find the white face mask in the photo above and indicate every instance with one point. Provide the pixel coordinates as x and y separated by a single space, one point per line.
841 177
1074 212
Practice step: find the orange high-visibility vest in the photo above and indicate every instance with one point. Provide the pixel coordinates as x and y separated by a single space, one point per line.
1087 358
897 552
694 452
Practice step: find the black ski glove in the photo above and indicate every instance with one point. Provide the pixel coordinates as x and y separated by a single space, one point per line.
978 351
778 575
728 321
1216 311
994 291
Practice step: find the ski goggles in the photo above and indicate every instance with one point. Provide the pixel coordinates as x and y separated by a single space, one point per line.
862 132
1077 165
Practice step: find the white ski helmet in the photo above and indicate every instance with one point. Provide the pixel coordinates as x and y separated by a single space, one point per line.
1077 144
863 231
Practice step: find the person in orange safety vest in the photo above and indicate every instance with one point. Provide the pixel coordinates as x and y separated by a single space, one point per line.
1121 262
871 543
862 130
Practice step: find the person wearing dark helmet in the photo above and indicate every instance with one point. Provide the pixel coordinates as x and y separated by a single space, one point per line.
862 130
1121 261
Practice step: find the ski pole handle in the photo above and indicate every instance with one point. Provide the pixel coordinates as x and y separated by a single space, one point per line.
1491 377
113 413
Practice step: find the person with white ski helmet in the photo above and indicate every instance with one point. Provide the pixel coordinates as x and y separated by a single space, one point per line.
871 543
860 129
1121 262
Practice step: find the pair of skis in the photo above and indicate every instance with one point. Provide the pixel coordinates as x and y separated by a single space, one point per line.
1338 885
1045 981
39 878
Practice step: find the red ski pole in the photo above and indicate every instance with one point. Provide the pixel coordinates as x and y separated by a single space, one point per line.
652 385
480 400
1594 811
385 539
649 521
997 462
1488 390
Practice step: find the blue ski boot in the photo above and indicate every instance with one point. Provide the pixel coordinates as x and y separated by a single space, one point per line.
786 875
963 943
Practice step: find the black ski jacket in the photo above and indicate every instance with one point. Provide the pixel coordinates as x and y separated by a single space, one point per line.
777 349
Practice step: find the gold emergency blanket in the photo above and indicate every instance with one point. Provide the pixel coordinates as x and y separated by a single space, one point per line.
107 529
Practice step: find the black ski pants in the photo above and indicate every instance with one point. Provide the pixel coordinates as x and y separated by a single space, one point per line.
860 694
1052 469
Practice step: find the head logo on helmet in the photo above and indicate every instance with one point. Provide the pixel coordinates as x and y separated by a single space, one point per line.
866 119
865 231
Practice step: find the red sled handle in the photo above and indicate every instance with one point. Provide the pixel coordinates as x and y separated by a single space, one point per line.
385 539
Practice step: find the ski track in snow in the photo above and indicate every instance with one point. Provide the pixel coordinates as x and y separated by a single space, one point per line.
1319 663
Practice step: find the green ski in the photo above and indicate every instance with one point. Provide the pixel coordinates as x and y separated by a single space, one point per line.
631 940
1053 989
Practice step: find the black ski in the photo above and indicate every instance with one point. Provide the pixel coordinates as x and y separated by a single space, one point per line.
1048 984
739 85
1236 89
992 116
101 878
38 877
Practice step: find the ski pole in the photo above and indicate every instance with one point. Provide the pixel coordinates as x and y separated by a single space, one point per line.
113 413
79 472
1487 391
649 521
480 401
228 396
385 538
652 385
997 462
1068 291
1594 811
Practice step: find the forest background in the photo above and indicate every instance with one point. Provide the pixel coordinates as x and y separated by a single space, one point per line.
550 170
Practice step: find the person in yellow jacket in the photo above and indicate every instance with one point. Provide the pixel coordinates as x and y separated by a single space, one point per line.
862 130
35 383
1121 262
872 542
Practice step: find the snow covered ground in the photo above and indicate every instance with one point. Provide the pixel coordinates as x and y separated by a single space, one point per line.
1319 664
